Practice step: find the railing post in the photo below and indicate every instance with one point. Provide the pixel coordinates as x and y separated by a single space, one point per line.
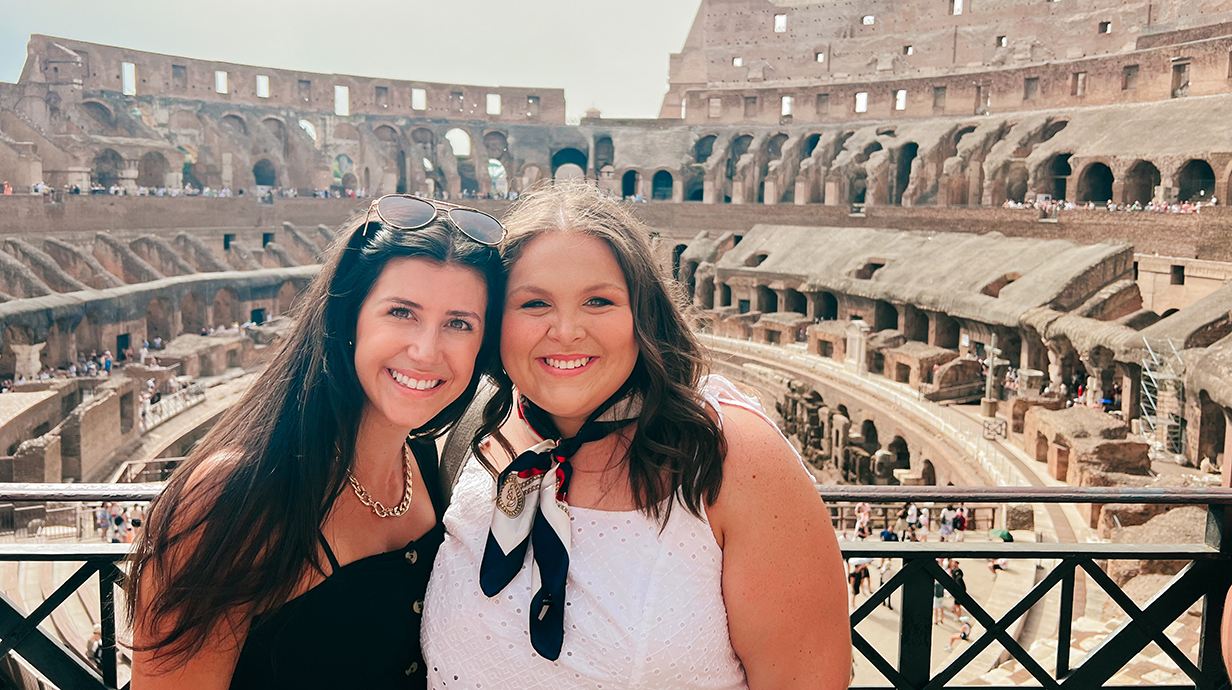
1066 621
916 628
106 591
1210 652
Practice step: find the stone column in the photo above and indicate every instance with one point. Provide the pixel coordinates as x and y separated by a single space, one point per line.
708 191
1131 389
782 299
128 176
770 196
857 344
28 364
1056 375
811 300
1227 449
677 188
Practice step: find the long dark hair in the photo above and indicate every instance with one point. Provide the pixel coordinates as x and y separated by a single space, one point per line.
238 523
677 448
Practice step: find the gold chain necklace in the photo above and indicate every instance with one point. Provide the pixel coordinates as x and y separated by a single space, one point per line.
380 510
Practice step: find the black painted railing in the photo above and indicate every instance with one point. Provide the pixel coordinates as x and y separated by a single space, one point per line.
1205 578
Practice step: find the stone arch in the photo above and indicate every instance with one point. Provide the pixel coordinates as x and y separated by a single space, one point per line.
1056 172
227 308
1017 179
605 152
703 148
496 143
531 174
902 454
1095 183
707 293
1195 181
827 306
568 156
152 170
768 300
106 167
794 301
661 186
287 297
868 429
1140 182
264 174
192 313
235 123
159 320
928 473
385 133
276 127
99 112
739 146
498 175
906 156
810 145
629 183
459 142
885 316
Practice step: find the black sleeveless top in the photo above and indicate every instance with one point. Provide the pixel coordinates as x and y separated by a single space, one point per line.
359 628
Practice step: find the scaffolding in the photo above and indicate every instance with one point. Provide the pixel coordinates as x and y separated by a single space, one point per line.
1163 397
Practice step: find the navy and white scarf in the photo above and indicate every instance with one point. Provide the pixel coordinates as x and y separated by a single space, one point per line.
532 509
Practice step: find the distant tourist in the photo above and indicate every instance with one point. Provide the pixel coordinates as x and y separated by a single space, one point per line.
303 490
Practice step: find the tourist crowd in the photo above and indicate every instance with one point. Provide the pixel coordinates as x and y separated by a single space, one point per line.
1050 208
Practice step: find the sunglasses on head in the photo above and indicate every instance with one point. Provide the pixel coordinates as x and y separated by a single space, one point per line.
406 212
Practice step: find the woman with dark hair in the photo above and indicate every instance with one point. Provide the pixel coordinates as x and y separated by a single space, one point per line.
627 522
292 547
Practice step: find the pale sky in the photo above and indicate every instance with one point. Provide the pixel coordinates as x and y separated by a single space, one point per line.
610 55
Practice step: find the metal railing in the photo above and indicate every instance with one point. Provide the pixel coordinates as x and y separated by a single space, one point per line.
154 414
1205 578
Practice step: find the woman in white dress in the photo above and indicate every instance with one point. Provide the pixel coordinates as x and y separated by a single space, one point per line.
648 527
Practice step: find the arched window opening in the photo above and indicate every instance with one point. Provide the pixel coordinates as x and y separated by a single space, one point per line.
264 174
906 156
628 184
1195 181
703 148
661 186
1095 184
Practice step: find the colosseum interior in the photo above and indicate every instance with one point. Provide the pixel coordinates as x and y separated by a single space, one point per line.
1001 200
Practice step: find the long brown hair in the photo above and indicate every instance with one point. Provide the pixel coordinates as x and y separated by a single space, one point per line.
240 533
677 449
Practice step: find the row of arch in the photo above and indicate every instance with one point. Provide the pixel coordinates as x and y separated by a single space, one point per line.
1194 181
153 171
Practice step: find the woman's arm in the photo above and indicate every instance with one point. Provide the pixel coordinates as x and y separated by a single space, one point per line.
209 669
212 666
783 579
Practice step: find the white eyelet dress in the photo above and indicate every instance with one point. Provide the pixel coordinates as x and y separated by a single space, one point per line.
644 609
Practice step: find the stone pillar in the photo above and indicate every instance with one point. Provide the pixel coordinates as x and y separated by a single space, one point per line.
645 186
782 299
28 364
128 175
857 344
1095 381
770 195
831 193
803 194
1131 389
737 192
811 307
1056 376
677 188
708 191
